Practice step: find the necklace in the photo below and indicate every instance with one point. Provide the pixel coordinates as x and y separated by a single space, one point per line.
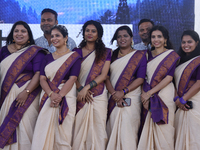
120 53
59 54
88 50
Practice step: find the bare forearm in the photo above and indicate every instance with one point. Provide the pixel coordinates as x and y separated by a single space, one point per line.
34 83
102 77
135 84
109 86
161 85
192 91
44 84
68 85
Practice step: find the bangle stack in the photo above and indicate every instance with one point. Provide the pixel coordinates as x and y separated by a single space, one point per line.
50 93
80 88
175 98
92 84
182 100
125 90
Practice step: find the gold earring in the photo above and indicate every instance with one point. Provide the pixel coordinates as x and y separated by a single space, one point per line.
165 45
13 41
28 42
132 43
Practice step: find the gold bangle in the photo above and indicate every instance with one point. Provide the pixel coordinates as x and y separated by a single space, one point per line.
50 93
148 94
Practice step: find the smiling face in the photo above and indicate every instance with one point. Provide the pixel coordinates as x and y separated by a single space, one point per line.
57 38
124 39
188 44
91 33
20 35
48 20
157 39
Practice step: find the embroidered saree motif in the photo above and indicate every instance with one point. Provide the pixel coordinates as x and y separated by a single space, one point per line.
60 74
94 72
185 83
15 114
126 76
159 111
15 70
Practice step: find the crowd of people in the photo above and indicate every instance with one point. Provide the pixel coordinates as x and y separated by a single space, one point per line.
56 96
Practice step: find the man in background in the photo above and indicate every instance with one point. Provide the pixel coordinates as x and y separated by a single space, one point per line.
48 20
144 26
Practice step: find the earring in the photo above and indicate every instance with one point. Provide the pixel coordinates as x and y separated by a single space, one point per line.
13 41
152 45
97 41
132 43
165 45
117 45
28 42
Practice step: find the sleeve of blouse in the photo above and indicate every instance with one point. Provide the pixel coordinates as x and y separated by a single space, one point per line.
75 70
172 70
109 56
198 73
37 60
141 72
42 66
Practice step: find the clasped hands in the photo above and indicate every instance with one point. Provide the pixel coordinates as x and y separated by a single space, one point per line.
85 95
145 99
118 97
55 98
181 106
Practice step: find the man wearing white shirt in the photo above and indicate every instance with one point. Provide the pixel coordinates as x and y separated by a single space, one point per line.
144 26
48 20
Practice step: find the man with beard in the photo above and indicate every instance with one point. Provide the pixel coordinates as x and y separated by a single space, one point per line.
144 26
48 20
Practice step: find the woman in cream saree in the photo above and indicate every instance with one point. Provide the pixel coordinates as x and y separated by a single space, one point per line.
53 130
20 89
127 73
90 122
187 81
158 93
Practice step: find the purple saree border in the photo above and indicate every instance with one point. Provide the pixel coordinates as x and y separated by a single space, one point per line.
158 108
186 75
94 72
16 69
175 58
60 74
8 127
134 63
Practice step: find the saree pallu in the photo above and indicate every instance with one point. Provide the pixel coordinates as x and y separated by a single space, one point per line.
17 122
187 123
50 133
90 122
157 136
123 123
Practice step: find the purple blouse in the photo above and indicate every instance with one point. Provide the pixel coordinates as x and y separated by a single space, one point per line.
74 70
170 72
79 50
33 65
